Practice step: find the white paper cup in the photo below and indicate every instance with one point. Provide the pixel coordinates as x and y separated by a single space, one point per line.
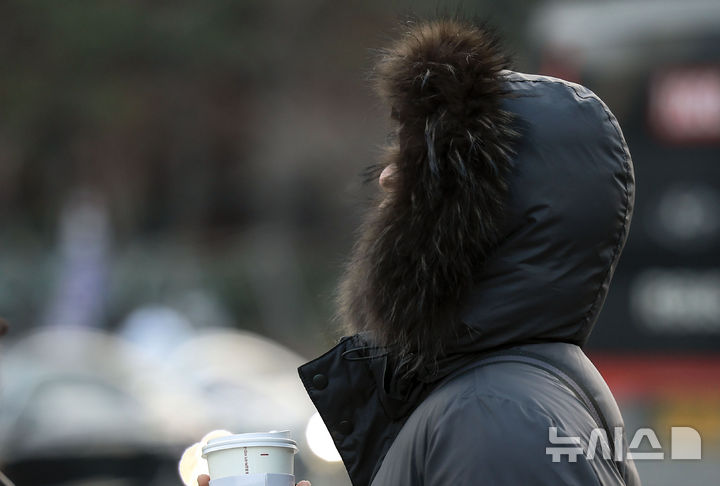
255 453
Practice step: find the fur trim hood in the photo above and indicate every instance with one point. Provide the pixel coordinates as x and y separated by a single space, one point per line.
487 241
419 248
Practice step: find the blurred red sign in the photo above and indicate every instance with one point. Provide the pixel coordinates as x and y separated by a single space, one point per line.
684 104
660 375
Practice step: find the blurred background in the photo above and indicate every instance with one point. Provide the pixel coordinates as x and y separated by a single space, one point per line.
180 182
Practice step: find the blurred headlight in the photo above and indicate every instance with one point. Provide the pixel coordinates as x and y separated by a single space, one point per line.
192 464
319 440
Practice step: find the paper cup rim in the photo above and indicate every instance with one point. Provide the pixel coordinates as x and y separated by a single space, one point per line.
248 440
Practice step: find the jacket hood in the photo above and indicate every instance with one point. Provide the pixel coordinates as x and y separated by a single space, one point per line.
511 204
566 220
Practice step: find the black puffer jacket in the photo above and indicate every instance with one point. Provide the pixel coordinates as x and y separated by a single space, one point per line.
485 417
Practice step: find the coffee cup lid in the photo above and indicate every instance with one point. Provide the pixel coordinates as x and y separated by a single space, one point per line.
253 439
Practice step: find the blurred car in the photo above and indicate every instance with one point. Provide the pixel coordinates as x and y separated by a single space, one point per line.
82 406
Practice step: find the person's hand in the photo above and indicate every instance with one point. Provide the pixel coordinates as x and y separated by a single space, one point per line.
204 480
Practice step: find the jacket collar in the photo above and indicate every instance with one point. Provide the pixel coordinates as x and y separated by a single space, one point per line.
345 393
363 401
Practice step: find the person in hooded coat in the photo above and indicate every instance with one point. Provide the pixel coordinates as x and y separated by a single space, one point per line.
477 278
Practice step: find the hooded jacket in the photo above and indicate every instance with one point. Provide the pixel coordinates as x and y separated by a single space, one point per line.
510 382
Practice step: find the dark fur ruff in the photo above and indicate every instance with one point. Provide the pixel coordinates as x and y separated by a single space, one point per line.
417 251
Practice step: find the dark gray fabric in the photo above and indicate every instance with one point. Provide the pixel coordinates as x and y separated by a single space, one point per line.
490 425
569 210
